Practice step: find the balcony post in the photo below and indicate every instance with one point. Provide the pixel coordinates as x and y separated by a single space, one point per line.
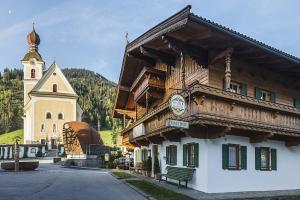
182 70
227 71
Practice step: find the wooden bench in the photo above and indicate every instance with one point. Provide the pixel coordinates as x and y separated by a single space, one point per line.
179 174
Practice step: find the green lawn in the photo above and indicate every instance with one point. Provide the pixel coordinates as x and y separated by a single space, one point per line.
8 138
106 136
157 192
123 175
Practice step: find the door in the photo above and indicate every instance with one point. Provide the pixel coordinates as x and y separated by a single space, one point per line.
53 144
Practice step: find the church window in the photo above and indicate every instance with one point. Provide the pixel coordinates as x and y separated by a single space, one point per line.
32 73
43 128
54 88
48 115
54 128
60 116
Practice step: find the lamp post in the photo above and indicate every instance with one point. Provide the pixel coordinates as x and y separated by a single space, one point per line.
17 139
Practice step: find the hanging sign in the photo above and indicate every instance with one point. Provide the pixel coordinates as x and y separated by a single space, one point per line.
177 104
177 124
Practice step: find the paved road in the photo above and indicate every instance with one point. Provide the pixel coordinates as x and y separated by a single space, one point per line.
56 183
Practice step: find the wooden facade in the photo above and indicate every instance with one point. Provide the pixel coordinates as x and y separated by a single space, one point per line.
204 61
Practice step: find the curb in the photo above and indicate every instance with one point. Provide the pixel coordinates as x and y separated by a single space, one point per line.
84 168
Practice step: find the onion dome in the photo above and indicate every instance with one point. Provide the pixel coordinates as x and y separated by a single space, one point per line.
33 40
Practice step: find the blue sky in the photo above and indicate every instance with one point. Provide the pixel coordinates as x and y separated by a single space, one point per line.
91 34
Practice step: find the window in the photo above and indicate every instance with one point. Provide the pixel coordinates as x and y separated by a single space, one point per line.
265 95
171 155
54 128
265 159
48 115
234 157
32 73
235 87
42 128
190 154
54 89
238 88
60 116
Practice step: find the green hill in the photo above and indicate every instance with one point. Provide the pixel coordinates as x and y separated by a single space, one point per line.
107 137
96 98
9 138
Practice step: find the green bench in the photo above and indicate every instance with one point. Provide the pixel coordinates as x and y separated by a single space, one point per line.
179 174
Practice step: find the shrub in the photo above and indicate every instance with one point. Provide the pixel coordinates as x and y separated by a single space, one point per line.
39 154
149 164
156 166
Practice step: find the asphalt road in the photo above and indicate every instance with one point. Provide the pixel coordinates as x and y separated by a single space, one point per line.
57 183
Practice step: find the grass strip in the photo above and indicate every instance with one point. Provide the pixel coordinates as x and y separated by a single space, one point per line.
122 175
157 192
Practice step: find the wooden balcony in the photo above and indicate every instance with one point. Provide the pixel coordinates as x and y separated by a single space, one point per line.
149 86
225 113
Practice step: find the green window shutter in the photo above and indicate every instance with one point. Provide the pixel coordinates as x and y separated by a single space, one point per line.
273 159
175 155
225 152
257 158
167 155
244 89
196 161
257 93
243 157
297 103
273 97
224 84
184 155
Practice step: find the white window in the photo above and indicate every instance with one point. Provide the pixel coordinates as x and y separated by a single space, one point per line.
232 159
265 95
265 158
235 87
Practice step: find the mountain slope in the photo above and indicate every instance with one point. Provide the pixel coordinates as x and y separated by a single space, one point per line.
96 98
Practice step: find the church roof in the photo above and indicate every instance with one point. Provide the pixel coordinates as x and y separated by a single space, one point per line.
32 54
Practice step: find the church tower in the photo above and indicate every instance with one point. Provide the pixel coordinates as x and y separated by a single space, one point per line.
33 64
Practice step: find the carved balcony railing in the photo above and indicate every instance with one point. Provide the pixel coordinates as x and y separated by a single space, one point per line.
214 106
149 85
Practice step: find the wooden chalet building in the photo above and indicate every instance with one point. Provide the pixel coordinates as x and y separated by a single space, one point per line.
242 105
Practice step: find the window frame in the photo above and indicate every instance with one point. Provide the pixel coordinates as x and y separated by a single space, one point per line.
237 157
191 156
62 116
171 159
268 161
32 73
54 88
50 114
238 85
43 128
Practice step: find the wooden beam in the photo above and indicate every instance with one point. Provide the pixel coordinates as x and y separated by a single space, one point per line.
155 139
292 142
166 58
260 137
221 55
207 132
200 56
200 36
130 113
149 62
174 136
